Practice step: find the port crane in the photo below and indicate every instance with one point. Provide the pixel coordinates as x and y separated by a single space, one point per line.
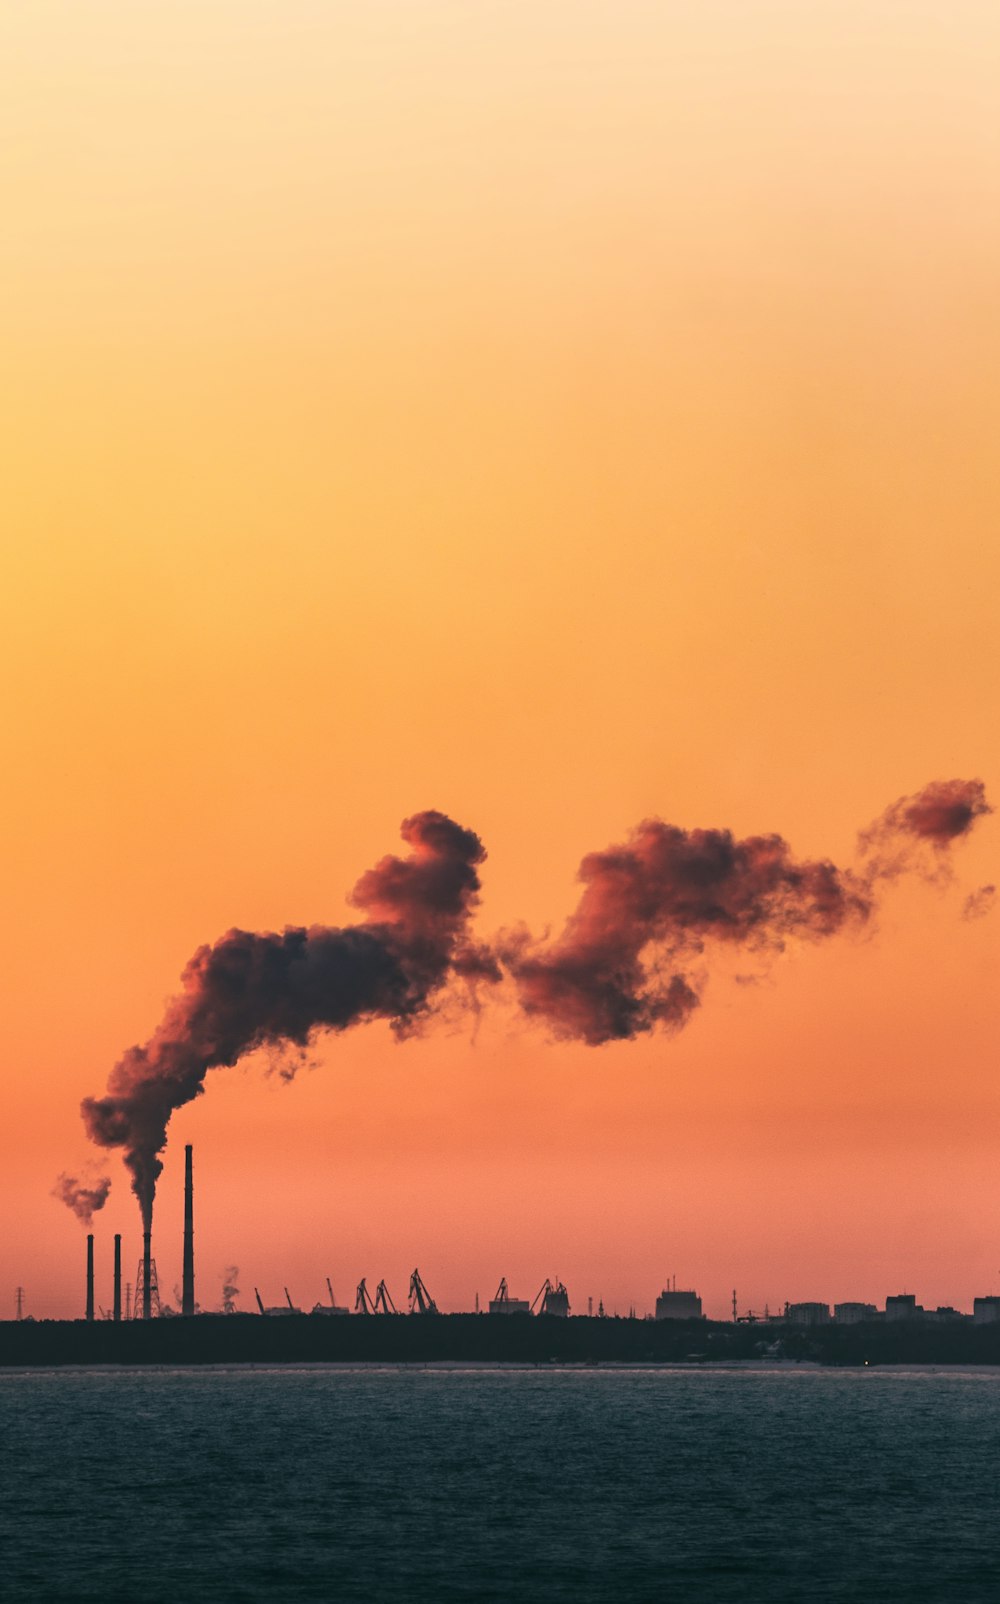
421 1301
554 1299
503 1292
363 1299
383 1300
279 1308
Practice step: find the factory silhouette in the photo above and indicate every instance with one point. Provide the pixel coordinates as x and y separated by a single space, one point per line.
552 1301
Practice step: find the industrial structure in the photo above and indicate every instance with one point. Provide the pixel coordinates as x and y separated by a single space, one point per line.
329 1308
503 1303
383 1300
187 1291
674 1305
421 1301
552 1298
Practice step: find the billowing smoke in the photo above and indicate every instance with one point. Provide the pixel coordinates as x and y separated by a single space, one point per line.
230 1288
632 958
915 833
654 905
83 1197
256 990
979 903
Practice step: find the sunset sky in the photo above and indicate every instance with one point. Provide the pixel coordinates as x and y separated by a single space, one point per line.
554 414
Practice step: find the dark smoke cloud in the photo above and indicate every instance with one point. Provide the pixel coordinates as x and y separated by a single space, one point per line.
979 903
83 1197
652 905
915 833
632 958
657 900
258 990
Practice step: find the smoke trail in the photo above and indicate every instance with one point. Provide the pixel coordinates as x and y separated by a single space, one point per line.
652 904
979 903
230 1288
82 1197
655 901
253 990
915 833
650 908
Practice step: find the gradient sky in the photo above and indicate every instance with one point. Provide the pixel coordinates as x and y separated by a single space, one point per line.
550 413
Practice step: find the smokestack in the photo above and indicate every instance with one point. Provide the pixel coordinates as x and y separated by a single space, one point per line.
90 1277
118 1278
187 1299
147 1275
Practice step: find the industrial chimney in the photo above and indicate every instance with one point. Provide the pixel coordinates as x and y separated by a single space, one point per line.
90 1276
118 1278
187 1298
147 1275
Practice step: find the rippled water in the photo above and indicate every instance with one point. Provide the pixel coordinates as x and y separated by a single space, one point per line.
370 1484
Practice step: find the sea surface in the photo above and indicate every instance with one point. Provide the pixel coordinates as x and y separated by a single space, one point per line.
340 1483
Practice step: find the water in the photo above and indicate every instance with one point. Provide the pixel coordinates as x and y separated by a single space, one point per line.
410 1484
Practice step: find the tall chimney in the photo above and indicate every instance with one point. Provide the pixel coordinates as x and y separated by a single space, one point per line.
118 1278
147 1275
90 1277
187 1299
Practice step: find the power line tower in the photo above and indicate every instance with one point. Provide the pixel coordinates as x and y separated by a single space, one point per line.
20 1303
139 1300
128 1300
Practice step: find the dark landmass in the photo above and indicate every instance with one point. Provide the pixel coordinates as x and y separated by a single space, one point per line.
470 1338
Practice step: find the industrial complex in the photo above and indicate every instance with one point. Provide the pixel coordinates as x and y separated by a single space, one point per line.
808 1329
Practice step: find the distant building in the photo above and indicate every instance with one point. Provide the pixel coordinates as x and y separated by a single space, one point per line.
854 1314
903 1306
808 1314
986 1311
674 1305
555 1300
509 1306
943 1314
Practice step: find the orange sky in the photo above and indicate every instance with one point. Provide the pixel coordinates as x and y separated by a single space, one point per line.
550 414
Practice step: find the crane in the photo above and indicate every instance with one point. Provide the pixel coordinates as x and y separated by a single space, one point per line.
421 1301
383 1300
260 1300
554 1299
362 1299
329 1288
503 1293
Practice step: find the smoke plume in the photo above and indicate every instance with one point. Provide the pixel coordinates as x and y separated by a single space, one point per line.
979 903
915 833
632 958
254 990
83 1197
656 901
664 897
230 1288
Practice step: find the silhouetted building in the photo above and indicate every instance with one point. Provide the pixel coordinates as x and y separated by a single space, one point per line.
808 1314
674 1305
555 1300
854 1314
986 1311
503 1303
903 1306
